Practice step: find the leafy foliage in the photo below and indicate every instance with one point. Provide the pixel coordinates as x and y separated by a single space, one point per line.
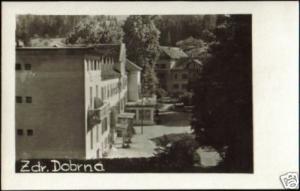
96 29
76 28
44 26
142 42
178 27
150 81
194 48
223 95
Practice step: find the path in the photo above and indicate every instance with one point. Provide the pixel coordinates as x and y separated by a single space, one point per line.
142 146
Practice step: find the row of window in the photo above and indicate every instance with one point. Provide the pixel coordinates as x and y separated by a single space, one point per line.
183 76
106 92
21 66
104 128
162 66
93 65
102 148
19 99
20 132
177 86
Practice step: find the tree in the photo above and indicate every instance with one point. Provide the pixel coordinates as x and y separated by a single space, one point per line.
96 29
223 95
180 27
44 26
149 81
142 42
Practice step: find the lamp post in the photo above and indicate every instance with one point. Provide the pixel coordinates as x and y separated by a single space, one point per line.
142 118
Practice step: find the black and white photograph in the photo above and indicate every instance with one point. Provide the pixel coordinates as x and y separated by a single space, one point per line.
142 93
100 91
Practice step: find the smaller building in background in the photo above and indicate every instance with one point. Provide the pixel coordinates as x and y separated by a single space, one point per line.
183 75
168 58
134 81
175 70
144 110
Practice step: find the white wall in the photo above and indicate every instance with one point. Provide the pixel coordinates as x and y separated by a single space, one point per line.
133 86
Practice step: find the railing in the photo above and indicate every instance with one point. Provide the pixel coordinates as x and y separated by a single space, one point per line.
96 115
103 110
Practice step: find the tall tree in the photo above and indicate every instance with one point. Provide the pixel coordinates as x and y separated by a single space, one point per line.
180 27
223 96
45 26
96 29
142 42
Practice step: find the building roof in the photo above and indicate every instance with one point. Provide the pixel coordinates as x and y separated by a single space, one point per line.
144 102
186 63
173 52
126 115
130 66
110 75
48 42
115 51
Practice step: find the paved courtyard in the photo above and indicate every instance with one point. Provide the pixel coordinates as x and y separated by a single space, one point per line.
141 146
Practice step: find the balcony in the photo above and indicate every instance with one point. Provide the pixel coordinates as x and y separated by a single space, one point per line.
98 113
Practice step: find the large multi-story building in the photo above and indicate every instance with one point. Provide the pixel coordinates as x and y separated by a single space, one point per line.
68 100
175 70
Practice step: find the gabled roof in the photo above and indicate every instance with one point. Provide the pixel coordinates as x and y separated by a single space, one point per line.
130 66
173 52
185 63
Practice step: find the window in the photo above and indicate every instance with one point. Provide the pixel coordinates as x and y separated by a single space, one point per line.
29 132
102 93
175 76
87 66
175 86
98 153
163 66
20 132
18 99
104 125
27 66
91 96
184 76
92 139
28 99
145 114
107 88
184 86
18 66
97 91
97 133
95 65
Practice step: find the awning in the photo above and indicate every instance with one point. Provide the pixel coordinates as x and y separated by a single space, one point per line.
126 115
120 126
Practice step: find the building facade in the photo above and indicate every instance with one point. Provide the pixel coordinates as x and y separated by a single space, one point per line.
175 70
168 59
68 100
183 75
